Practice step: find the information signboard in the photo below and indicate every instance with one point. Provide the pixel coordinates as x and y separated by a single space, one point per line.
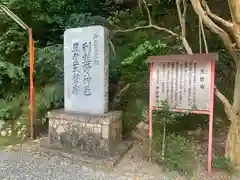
184 83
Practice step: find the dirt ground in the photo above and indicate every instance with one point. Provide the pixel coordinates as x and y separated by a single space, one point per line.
134 164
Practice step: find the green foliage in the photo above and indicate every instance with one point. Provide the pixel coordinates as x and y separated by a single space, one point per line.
222 163
12 43
49 97
165 116
11 76
48 64
4 111
179 154
146 48
173 151
13 72
133 114
134 73
11 106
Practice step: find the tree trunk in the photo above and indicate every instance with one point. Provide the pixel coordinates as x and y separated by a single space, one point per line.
233 139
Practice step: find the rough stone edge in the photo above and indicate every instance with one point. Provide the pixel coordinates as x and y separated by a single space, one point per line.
106 69
61 114
109 162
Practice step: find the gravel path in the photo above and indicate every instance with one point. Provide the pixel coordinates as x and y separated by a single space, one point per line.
29 166
32 164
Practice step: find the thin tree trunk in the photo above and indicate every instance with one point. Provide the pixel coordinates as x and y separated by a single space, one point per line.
233 139
164 141
236 99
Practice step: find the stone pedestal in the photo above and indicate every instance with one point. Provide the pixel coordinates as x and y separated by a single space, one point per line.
89 134
84 126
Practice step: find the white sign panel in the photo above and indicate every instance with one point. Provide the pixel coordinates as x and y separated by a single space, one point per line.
183 84
86 70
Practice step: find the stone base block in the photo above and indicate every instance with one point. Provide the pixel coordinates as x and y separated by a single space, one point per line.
92 135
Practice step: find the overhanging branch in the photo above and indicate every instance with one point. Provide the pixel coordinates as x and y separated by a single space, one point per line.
154 26
224 24
224 101
212 26
182 21
147 27
148 12
215 17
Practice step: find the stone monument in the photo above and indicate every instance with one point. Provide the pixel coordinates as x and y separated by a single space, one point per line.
86 53
85 125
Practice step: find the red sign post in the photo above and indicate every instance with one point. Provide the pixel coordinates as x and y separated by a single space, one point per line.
186 82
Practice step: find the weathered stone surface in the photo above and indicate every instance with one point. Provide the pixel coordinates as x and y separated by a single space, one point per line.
90 134
75 156
86 54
